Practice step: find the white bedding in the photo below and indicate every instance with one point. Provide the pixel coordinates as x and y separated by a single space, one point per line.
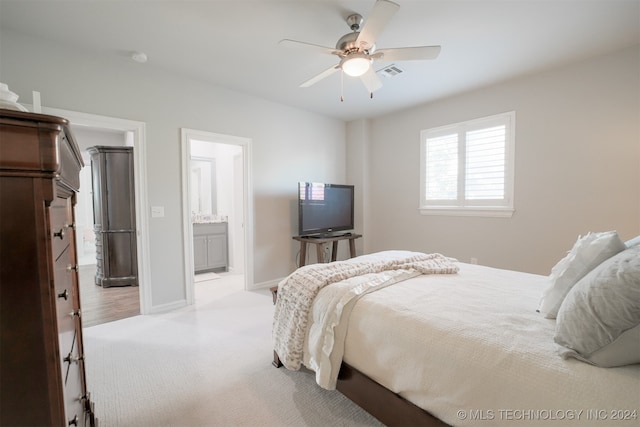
471 349
298 291
328 321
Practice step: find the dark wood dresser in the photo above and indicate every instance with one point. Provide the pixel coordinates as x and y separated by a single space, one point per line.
42 366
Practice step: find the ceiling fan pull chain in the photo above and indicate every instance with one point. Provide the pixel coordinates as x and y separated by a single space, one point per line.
341 86
371 94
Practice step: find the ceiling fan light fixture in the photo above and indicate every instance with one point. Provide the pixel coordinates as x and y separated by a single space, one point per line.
355 64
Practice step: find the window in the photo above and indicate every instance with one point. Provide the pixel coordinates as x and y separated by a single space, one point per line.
467 168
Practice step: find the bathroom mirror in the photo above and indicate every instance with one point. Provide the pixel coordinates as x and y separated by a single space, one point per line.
203 186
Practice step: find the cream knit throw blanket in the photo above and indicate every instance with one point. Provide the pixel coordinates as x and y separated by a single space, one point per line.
297 292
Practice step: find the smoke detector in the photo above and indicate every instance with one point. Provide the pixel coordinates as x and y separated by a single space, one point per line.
139 57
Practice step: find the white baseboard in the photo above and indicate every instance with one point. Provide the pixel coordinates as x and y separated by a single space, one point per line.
165 308
265 285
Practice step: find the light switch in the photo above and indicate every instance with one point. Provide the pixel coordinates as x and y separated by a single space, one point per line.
157 211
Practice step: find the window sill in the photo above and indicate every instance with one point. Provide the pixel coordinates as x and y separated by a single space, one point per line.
468 211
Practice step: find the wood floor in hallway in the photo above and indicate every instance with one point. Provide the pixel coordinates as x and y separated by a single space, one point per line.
102 305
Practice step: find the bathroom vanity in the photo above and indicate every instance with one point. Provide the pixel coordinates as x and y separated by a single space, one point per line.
210 246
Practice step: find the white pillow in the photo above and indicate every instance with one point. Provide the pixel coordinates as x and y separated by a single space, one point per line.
587 253
624 350
599 321
632 242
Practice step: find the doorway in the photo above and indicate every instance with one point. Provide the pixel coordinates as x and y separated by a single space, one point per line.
133 133
216 194
101 301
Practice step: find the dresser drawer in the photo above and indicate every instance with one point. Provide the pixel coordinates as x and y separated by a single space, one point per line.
74 396
61 225
70 164
65 279
71 360
66 311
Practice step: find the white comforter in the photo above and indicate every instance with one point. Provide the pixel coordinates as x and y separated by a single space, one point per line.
297 293
324 340
470 348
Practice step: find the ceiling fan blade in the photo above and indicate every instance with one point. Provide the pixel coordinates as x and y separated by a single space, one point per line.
322 75
379 17
371 81
295 44
408 53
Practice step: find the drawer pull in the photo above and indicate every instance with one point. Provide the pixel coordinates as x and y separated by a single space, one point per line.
75 313
71 359
61 233
64 294
74 421
73 268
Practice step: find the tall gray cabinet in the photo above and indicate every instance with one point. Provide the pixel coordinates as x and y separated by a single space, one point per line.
114 216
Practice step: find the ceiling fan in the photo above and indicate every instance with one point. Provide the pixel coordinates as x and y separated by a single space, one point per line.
357 50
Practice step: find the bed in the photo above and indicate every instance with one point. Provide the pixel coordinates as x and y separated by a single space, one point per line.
462 344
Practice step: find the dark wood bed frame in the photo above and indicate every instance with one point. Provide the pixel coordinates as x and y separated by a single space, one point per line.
388 407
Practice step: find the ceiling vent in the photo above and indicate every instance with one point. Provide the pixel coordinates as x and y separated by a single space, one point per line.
390 71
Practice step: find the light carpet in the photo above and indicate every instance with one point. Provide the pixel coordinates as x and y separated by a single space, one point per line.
205 365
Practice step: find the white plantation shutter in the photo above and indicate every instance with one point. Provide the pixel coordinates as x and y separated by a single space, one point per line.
485 164
467 168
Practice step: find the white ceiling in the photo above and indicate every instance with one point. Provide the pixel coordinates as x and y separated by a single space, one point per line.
234 43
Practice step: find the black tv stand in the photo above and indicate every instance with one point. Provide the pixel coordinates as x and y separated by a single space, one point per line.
320 240
325 236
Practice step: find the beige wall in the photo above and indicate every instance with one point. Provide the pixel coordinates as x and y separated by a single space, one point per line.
577 157
289 145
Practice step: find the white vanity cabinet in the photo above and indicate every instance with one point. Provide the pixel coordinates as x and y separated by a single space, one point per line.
210 247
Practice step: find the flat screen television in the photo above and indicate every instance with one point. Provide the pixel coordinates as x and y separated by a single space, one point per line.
324 209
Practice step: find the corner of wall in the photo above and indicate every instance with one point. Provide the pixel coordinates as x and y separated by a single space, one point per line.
357 152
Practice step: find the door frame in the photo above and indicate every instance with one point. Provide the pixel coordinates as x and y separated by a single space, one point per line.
138 129
186 135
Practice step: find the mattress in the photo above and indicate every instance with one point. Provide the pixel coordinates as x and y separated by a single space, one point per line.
471 349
